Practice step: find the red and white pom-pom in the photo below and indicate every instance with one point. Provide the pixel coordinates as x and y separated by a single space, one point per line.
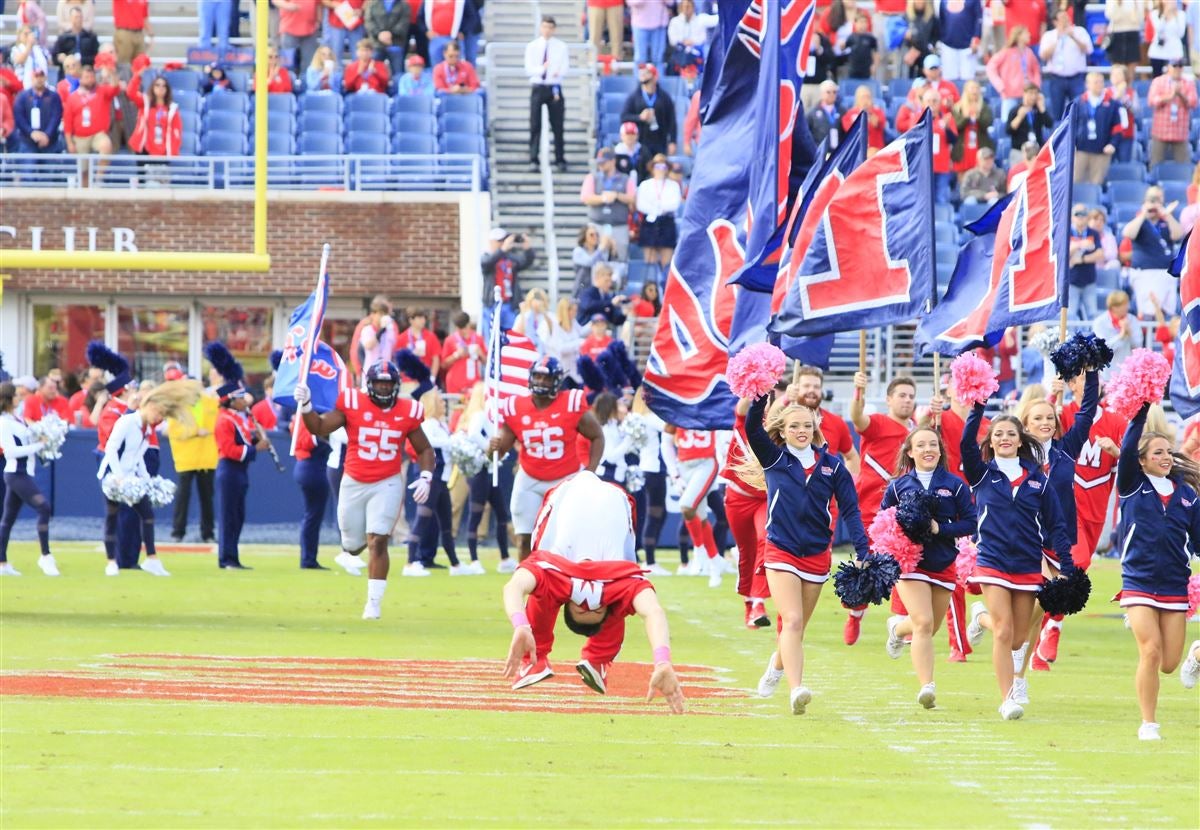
964 563
889 538
1142 378
1193 595
755 370
974 379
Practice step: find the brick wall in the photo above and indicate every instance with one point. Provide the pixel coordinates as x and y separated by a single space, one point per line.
407 250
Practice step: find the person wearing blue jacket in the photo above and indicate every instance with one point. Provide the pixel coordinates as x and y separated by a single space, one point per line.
960 23
926 590
1015 503
37 117
802 477
1158 530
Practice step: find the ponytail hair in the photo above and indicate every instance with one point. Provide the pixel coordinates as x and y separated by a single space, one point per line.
176 398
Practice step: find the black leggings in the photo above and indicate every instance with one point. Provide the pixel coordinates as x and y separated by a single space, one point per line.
433 517
22 489
144 512
483 494
652 512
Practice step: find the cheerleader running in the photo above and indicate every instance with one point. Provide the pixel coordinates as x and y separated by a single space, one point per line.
1015 501
20 460
926 591
802 480
1160 522
434 516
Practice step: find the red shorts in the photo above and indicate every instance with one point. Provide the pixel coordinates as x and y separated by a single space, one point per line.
942 579
1013 582
809 568
1162 602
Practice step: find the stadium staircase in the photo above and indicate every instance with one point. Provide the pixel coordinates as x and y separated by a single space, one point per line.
545 205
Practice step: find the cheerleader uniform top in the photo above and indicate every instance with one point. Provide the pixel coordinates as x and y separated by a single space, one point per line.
125 450
953 510
18 445
1061 455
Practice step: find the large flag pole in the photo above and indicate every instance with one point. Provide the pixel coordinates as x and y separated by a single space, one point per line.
314 333
494 379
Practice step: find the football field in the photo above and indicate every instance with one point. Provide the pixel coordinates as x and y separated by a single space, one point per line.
248 699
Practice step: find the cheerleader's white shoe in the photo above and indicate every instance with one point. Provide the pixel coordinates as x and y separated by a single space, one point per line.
1020 691
974 628
155 567
6 569
111 568
801 697
1149 732
1011 710
770 679
1189 672
927 697
48 565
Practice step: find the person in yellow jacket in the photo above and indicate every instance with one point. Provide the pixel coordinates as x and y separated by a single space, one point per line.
194 449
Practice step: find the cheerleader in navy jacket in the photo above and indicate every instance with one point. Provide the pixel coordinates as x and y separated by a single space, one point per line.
19 461
1016 504
1159 527
802 479
926 591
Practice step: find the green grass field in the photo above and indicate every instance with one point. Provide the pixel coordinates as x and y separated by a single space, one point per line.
120 708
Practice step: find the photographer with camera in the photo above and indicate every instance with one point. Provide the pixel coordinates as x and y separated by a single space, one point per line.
1154 232
506 256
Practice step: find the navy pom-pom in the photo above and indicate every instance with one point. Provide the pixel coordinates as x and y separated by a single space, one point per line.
1066 594
914 514
869 584
224 362
276 356
1082 352
409 364
610 368
102 357
593 378
632 376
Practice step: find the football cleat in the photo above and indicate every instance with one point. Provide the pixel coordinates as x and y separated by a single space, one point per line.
593 676
531 673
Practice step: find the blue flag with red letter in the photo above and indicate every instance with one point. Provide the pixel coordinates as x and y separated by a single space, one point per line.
1025 280
326 367
870 262
735 186
1185 374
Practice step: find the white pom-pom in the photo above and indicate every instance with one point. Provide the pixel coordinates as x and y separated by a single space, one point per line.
637 429
161 491
635 479
51 432
467 453
125 489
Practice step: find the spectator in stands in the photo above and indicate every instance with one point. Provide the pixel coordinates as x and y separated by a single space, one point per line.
1154 232
216 79
366 74
1028 13
64 9
1170 29
45 401
598 298
629 151
864 101
463 355
1030 122
1012 69
7 122
1018 171
960 27
414 81
945 134
984 183
1191 213
159 130
675 174
648 302
1172 98
454 76
1086 251
535 321
932 68
658 197
77 41
648 19
216 16
973 121
546 63
322 74
1064 51
1098 221
691 125
374 337
445 21
27 55
688 31
131 21
69 78
1125 99
299 29
1096 132
654 113
568 335
507 255
591 247
610 196
421 341
31 14
598 338
279 78
76 403
861 50
88 114
343 25
921 36
1126 19
1114 325
911 107
606 15
37 117
388 23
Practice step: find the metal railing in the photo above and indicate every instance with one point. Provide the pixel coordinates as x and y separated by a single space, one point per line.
449 172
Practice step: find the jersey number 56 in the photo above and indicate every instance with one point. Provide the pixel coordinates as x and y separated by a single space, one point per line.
544 443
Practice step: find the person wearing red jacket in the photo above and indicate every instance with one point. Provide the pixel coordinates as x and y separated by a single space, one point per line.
87 115
47 400
454 76
876 119
463 356
279 78
365 74
945 133
159 130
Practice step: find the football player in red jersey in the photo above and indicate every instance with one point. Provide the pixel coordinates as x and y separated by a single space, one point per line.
595 597
546 424
372 491
690 456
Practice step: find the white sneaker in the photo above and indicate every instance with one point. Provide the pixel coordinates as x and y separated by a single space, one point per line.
697 566
111 568
1189 672
657 570
506 566
1018 658
48 565
927 697
975 628
801 697
770 679
1020 691
1149 732
1011 710
460 570
350 564
715 572
895 644
414 569
371 610
475 568
155 567
7 569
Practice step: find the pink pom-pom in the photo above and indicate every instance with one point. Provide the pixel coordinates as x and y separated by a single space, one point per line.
755 370
974 379
889 538
964 563
1142 378
1193 595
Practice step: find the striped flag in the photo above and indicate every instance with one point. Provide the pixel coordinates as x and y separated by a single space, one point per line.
517 355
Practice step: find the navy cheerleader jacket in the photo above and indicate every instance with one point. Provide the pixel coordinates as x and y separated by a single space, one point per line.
1156 539
1063 453
952 509
798 515
1011 524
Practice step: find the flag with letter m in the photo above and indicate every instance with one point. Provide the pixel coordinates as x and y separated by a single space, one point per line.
1185 374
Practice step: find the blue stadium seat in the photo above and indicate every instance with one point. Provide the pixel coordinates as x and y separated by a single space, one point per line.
228 102
321 102
415 143
968 214
1142 88
673 86
1126 190
1122 212
190 143
281 144
411 122
421 104
462 103
946 234
1175 191
239 79
225 143
367 122
367 102
183 79
368 143
1172 171
1088 193
190 120
281 103
623 84
463 143
234 122
610 123
320 144
898 88
943 212
458 122
320 122
281 122
187 99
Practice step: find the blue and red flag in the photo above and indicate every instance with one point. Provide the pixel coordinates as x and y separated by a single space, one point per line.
1024 281
871 261
1185 374
736 185
325 369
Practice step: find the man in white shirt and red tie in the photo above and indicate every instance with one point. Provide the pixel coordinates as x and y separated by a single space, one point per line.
546 64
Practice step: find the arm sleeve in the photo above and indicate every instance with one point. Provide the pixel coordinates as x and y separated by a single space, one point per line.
1073 441
134 91
890 497
1129 468
1052 517
765 450
670 461
9 445
630 111
972 458
847 500
966 522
